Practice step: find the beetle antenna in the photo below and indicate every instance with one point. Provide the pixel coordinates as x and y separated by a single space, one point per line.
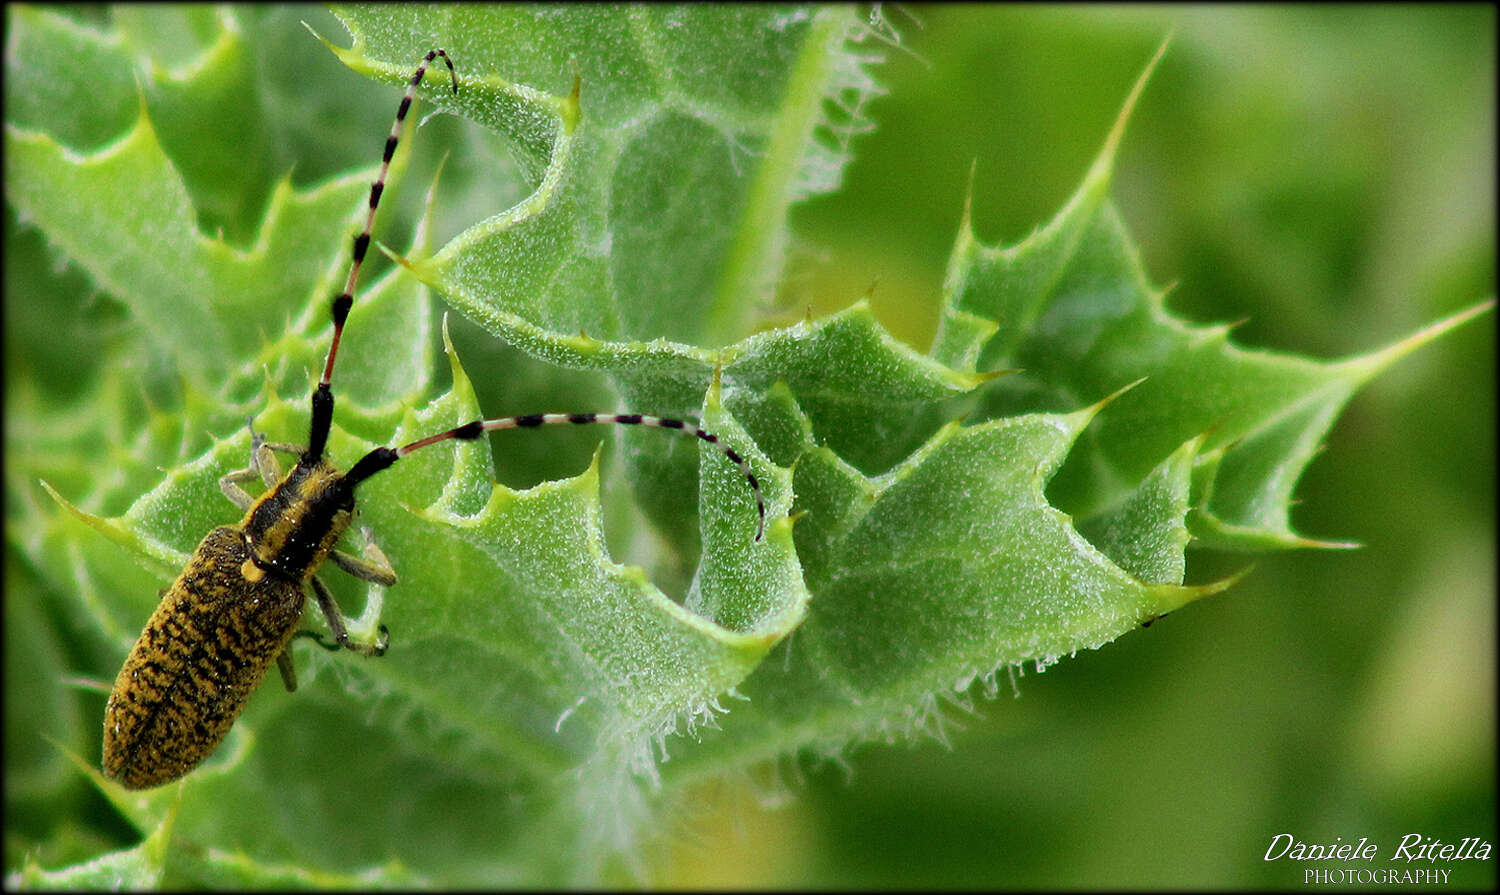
322 401
383 457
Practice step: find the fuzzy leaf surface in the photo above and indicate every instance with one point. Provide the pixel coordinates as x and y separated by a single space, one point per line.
517 729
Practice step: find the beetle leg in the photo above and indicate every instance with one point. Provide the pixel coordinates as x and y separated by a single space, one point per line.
265 461
288 670
229 483
262 464
376 569
317 638
340 631
263 456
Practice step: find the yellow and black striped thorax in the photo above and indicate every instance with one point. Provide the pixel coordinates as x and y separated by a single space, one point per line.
292 528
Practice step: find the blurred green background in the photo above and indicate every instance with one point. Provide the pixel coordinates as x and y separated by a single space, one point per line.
1327 173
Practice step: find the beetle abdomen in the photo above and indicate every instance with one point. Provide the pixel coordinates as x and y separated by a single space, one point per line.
203 652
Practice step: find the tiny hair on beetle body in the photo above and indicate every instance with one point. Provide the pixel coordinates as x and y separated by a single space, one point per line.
235 608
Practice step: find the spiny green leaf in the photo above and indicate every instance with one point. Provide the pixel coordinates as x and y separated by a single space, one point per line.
941 572
194 296
1145 533
664 156
1071 306
518 729
706 156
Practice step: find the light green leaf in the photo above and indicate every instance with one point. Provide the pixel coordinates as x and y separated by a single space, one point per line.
1071 306
942 572
665 155
703 157
140 867
1146 532
518 731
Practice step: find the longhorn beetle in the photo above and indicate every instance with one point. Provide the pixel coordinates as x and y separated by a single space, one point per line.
236 605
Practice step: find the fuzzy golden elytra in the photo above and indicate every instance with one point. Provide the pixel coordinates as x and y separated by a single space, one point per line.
235 608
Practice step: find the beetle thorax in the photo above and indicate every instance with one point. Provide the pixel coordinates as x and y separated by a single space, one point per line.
292 528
